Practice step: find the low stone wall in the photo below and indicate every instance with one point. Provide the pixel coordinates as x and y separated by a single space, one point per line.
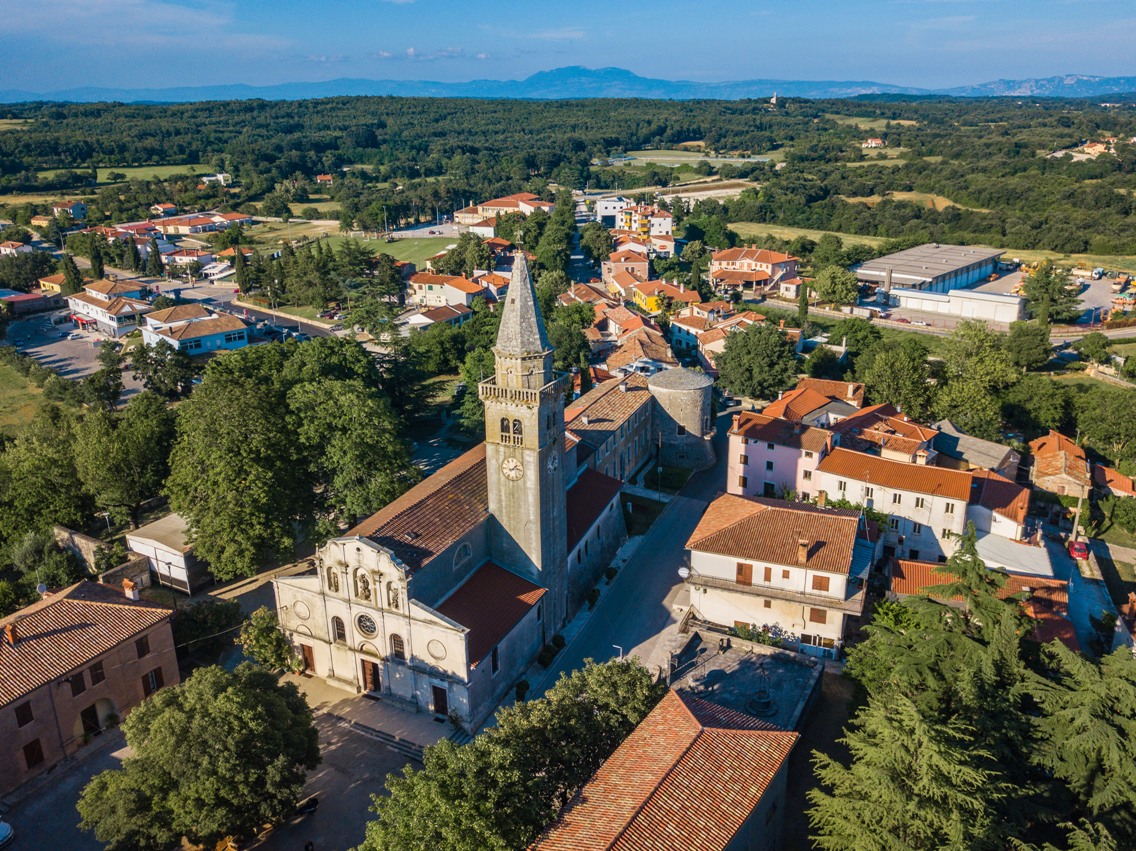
83 546
136 569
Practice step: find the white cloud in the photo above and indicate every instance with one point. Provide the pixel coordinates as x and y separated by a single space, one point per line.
561 34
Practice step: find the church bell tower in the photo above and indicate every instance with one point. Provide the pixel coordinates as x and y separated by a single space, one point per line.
524 448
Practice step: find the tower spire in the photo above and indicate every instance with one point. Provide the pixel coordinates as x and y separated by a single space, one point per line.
522 327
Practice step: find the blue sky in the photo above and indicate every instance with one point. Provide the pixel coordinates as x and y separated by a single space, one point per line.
53 44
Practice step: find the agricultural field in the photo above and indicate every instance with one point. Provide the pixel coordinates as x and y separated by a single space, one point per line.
142 172
754 230
14 124
885 157
873 124
328 208
924 199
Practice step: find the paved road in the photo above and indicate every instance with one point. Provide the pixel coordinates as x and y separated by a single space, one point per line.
638 606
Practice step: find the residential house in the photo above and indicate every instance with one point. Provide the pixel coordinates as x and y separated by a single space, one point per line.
429 290
77 210
193 329
222 178
495 286
815 405
712 342
926 505
631 262
964 452
1113 482
771 457
622 285
52 284
587 294
656 296
1059 465
693 776
10 248
882 430
1044 600
112 307
40 221
872 143
645 220
790 288
189 256
75 663
450 314
164 209
172 557
797 568
607 209
643 351
612 425
486 228
630 241
524 203
750 268
662 244
324 179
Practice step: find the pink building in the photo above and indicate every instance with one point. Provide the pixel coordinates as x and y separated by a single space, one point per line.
769 457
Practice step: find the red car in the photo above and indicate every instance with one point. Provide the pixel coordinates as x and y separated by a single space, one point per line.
1079 550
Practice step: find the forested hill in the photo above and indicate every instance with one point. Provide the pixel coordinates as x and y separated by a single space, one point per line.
407 157
576 82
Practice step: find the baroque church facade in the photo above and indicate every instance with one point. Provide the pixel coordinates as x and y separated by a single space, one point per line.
441 600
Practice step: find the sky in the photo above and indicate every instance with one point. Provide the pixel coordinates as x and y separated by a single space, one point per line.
56 44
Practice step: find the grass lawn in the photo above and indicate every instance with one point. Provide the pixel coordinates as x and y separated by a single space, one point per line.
42 197
1123 262
416 250
751 230
141 172
1076 381
300 311
19 400
323 206
1125 350
14 123
642 515
673 478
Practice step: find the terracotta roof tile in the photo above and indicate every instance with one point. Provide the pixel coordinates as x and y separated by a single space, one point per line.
686 779
1106 477
851 392
1055 454
434 514
1000 495
586 501
67 630
489 604
641 344
797 404
607 408
204 328
897 475
768 530
178 313
766 429
108 287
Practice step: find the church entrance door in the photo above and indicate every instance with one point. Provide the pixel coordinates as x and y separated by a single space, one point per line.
441 701
309 658
372 681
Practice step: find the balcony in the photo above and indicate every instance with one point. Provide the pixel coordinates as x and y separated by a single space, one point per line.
853 605
490 389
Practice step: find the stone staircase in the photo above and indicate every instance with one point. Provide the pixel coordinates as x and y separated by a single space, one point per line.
396 743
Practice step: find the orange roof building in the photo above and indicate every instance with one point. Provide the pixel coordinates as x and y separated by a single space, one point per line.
1060 465
693 776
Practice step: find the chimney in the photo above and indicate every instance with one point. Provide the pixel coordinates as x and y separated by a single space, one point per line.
781 324
10 633
851 386
802 551
584 419
623 387
130 589
822 499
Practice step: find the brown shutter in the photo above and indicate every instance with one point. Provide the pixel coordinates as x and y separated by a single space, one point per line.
818 616
744 573
768 573
820 583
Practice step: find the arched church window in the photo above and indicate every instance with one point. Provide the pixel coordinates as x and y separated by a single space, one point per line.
518 429
362 586
463 555
398 649
339 631
332 580
505 427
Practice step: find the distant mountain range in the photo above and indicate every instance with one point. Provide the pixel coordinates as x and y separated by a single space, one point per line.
578 82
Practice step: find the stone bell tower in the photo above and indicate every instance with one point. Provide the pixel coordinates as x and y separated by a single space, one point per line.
524 448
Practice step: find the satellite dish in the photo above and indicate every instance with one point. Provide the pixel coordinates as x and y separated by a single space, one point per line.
41 589
684 573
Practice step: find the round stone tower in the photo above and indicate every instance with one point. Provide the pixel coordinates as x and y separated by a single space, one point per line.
683 427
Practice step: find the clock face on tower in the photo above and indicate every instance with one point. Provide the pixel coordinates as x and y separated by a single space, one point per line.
512 469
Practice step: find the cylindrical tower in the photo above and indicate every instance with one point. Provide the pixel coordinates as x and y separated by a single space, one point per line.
683 427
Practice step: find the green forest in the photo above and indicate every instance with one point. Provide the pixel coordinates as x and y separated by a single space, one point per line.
409 158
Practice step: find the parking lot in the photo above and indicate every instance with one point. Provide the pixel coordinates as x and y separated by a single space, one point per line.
62 347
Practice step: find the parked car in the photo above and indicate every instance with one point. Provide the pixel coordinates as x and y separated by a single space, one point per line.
1079 550
7 834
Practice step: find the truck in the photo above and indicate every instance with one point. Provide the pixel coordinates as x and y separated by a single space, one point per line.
1121 281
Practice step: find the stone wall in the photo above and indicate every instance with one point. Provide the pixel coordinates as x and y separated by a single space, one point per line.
83 546
683 427
136 569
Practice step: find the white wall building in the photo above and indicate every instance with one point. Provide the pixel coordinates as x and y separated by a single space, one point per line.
967 304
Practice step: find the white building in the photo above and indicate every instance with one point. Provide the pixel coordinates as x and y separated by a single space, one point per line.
793 568
172 561
112 307
194 329
967 304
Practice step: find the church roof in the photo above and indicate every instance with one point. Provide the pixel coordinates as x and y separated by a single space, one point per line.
434 514
489 604
522 327
586 501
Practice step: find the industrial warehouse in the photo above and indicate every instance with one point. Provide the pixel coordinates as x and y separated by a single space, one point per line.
931 267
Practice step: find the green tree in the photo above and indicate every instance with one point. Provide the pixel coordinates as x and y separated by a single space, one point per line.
167 371
1100 425
1036 404
500 790
970 406
72 278
823 362
218 755
479 365
240 271
836 285
263 642
1088 732
1028 345
155 268
131 258
98 269
1095 347
1050 298
897 373
596 241
974 353
758 362
236 474
912 784
122 459
855 334
104 386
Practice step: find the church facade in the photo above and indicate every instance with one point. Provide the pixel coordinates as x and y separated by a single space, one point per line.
441 600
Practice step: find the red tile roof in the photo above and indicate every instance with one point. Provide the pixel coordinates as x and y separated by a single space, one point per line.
897 475
177 313
434 514
586 501
686 779
884 427
765 429
66 631
797 404
627 257
1000 495
489 604
204 328
769 530
1108 478
1055 454
755 255
851 392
